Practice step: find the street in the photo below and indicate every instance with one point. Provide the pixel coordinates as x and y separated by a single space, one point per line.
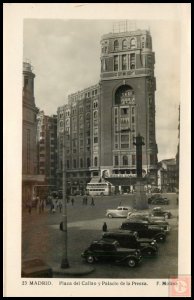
42 238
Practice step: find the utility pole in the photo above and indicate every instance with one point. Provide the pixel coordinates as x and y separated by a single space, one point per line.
64 262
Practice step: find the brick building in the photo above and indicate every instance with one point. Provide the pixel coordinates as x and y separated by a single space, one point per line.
101 121
47 147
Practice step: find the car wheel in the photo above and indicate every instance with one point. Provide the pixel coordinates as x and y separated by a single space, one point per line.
90 259
131 262
110 216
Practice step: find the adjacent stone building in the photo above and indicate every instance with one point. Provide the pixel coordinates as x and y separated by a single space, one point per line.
167 175
29 131
47 148
101 122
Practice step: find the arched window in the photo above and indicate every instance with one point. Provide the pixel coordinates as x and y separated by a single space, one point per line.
132 43
116 45
124 44
95 161
88 162
125 160
95 114
61 123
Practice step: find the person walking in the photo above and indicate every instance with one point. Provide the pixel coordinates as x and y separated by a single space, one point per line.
60 206
92 202
72 201
86 200
104 227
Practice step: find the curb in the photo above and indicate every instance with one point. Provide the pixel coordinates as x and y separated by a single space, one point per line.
74 269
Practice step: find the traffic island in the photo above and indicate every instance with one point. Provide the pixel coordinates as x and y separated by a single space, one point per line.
75 269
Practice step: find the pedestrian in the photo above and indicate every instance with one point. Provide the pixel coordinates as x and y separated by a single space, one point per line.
177 200
104 227
86 200
72 201
83 202
92 202
60 206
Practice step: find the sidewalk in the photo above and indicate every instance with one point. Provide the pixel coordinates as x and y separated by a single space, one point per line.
41 241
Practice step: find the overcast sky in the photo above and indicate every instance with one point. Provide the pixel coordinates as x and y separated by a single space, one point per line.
65 55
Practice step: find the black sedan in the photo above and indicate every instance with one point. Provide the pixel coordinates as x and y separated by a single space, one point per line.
111 251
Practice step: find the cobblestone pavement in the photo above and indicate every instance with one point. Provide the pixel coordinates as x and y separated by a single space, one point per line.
42 238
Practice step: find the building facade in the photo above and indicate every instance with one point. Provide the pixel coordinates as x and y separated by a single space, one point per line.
30 175
167 175
47 148
101 122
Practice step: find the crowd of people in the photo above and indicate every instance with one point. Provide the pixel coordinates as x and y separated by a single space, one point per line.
55 204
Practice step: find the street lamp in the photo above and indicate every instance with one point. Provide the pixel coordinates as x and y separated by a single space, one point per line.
64 262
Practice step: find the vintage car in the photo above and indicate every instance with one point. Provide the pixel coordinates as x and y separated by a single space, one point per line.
151 220
145 230
158 199
103 250
144 216
119 212
130 239
159 212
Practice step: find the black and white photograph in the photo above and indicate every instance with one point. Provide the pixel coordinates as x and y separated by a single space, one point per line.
100 170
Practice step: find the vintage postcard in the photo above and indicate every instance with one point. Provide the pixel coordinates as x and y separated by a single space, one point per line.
97 150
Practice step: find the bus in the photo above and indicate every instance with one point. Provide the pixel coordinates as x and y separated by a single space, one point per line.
98 189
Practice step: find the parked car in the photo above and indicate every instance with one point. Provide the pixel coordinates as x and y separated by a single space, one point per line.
158 199
145 230
144 216
161 224
158 212
119 212
153 221
130 239
111 251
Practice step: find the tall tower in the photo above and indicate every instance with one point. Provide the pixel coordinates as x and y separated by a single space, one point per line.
127 106
29 150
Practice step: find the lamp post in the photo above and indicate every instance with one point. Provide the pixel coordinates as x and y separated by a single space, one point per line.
64 262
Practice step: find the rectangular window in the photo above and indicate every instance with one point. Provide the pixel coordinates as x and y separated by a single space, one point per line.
133 160
116 138
67 164
124 62
74 163
116 160
133 119
124 146
132 61
124 138
116 63
124 111
28 150
95 139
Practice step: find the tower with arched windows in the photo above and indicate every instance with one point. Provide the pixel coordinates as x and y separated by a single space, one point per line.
128 89
100 122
